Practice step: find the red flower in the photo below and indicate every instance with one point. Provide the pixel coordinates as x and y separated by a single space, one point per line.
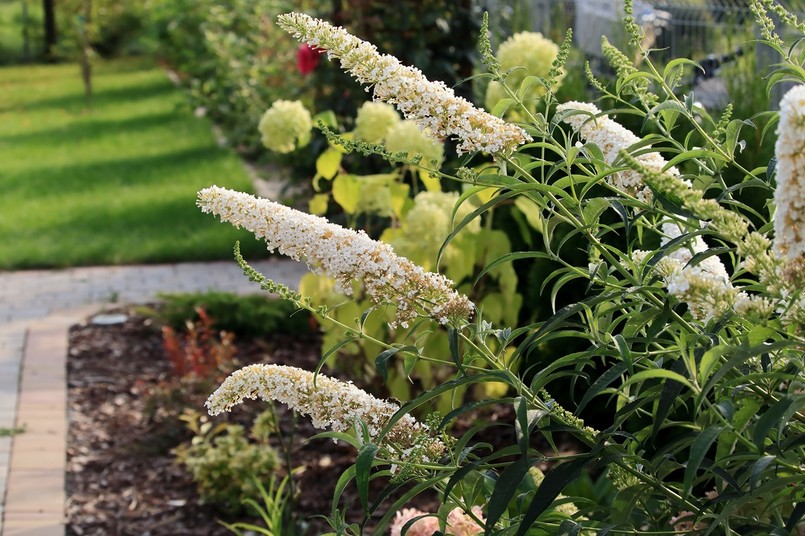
307 58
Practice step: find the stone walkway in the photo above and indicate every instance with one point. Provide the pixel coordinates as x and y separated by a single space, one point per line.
36 310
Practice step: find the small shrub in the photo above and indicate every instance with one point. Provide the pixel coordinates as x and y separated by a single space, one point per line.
225 464
200 351
244 316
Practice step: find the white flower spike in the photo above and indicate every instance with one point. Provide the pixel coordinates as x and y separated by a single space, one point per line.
432 105
343 254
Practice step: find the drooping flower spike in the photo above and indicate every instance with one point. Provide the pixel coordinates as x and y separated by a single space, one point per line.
789 196
432 105
342 254
330 404
612 137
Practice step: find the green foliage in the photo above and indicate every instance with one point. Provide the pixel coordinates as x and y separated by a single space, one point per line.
245 316
274 512
232 57
225 464
11 432
21 31
113 28
434 229
674 314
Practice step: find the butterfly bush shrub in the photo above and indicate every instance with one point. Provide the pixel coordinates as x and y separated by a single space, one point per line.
689 332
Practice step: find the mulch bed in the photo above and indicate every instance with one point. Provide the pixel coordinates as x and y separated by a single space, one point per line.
121 476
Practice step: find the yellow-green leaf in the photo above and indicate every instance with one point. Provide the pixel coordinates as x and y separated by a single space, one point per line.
318 204
347 192
431 182
328 163
399 197
531 212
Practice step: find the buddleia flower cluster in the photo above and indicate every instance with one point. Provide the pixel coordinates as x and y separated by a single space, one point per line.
612 138
525 54
285 126
331 404
705 287
432 105
789 196
343 254
789 199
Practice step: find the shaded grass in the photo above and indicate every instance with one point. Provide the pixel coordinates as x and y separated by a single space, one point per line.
109 183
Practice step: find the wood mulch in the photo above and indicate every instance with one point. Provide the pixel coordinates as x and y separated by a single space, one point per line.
122 478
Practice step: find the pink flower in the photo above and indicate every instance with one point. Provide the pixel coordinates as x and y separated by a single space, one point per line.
684 522
461 524
307 58
458 523
422 527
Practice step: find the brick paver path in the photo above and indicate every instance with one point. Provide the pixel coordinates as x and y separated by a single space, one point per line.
36 309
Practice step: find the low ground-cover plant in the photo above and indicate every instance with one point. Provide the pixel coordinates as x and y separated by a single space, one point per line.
227 461
689 325
201 350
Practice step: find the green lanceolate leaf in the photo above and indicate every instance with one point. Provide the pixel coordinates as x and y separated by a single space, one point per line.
555 481
382 360
698 450
769 420
505 488
758 469
670 392
363 467
602 383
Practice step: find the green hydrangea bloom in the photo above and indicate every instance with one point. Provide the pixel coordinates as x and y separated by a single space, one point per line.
524 49
406 136
374 120
427 224
285 126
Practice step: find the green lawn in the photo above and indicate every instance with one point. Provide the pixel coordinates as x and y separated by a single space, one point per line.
112 183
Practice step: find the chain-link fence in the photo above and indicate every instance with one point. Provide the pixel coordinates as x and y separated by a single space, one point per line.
711 32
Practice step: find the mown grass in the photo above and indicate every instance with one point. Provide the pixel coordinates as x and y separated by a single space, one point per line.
112 182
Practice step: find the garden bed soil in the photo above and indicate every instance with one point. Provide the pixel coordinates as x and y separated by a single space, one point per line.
122 479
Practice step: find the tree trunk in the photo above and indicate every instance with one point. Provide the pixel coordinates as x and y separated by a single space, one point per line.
86 50
49 11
